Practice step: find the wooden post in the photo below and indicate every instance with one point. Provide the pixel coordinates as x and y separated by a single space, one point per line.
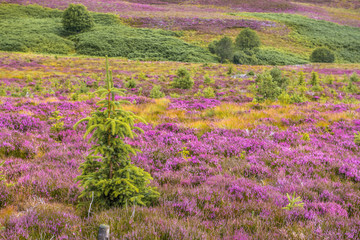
104 232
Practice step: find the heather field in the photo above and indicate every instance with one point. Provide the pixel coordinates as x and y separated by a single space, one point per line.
222 164
269 149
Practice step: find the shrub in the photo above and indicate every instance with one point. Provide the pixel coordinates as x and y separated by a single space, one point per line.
183 79
130 83
209 92
284 98
351 88
277 77
357 138
208 80
224 49
296 98
314 79
245 58
76 18
212 46
247 39
108 173
156 92
354 77
301 80
267 88
322 55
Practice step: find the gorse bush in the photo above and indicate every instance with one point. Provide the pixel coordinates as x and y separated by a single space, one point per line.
247 39
323 55
108 172
76 18
183 79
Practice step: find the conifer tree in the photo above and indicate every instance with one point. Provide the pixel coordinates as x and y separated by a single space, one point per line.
108 171
301 81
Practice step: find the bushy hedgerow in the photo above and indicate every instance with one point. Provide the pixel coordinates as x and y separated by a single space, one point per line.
76 18
322 55
141 44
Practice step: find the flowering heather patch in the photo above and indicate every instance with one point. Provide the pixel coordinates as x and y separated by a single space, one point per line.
223 165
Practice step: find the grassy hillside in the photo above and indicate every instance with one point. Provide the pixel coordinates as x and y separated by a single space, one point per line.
37 29
344 40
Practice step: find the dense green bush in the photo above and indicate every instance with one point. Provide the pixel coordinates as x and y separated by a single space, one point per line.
245 58
224 49
76 18
212 46
183 79
156 92
322 55
247 39
267 88
281 81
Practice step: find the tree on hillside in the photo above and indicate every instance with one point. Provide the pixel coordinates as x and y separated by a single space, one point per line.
247 39
224 49
76 18
323 55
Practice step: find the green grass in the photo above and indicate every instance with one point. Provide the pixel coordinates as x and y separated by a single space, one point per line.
37 29
343 40
140 44
273 56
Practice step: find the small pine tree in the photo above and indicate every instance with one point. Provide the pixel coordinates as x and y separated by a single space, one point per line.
183 79
314 81
301 81
156 92
76 18
108 171
208 80
130 83
351 88
247 39
267 88
277 77
209 92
